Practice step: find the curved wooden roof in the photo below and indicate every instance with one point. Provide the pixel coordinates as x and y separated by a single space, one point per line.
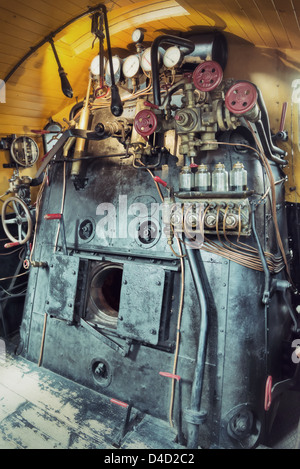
33 92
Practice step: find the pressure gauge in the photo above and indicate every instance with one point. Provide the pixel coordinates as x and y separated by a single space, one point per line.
172 57
24 151
95 65
116 62
137 35
131 66
146 59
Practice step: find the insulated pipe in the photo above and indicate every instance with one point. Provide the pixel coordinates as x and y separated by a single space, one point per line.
177 41
193 415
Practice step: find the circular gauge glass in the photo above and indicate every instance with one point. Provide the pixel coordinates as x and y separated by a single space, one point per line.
137 35
146 59
131 66
95 65
172 57
116 62
24 151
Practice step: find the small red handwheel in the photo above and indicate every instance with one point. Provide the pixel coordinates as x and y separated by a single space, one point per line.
207 76
145 122
241 97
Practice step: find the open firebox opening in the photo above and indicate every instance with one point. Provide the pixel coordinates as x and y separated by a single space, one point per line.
104 294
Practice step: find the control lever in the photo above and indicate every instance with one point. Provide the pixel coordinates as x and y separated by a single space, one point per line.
65 85
125 424
116 106
282 134
178 379
59 216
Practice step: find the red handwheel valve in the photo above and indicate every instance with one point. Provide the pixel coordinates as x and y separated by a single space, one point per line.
145 122
241 99
207 76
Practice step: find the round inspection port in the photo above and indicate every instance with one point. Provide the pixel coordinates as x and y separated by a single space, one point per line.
86 230
147 233
101 372
104 294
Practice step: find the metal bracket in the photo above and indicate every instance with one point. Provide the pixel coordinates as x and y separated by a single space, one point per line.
86 134
123 350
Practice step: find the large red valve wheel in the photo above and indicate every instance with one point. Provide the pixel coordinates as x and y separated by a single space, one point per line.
207 76
145 122
241 97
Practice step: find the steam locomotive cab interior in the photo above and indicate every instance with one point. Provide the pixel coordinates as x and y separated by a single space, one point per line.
161 252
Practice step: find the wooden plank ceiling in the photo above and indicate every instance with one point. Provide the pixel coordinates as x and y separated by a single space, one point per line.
33 93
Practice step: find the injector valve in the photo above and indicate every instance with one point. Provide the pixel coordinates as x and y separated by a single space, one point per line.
207 76
145 122
241 100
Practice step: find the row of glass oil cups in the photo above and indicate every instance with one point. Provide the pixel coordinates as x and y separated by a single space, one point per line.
217 181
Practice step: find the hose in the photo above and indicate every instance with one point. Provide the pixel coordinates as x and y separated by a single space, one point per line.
178 41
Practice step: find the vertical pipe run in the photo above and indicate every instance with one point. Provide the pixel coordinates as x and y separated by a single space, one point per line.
83 125
194 416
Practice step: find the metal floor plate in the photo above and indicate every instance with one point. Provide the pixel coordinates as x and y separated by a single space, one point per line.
41 410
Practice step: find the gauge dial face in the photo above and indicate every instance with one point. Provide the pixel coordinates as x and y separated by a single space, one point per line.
146 59
172 57
131 66
137 35
95 65
116 62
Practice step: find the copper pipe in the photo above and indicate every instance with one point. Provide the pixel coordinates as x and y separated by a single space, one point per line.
82 125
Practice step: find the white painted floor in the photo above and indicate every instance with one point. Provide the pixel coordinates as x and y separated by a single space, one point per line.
40 410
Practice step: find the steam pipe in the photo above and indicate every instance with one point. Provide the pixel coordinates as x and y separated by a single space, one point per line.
83 125
266 143
264 140
177 41
266 123
193 415
267 287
